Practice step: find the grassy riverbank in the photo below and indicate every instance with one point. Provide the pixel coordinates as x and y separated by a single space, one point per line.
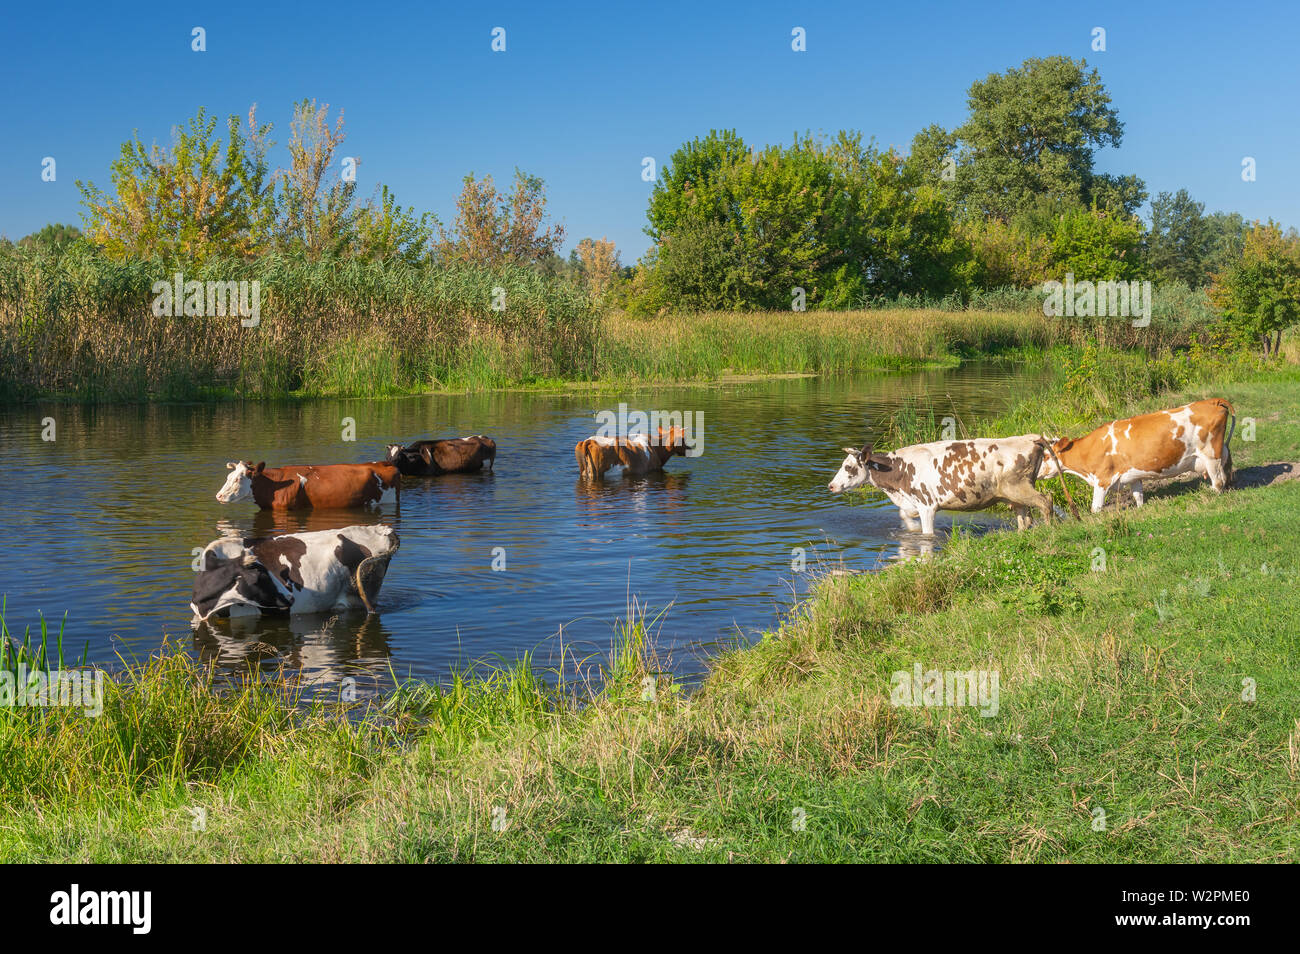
1120 689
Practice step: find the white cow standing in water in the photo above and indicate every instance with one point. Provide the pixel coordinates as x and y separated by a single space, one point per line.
966 475
309 572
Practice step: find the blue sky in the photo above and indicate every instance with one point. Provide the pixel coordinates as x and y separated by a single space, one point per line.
583 92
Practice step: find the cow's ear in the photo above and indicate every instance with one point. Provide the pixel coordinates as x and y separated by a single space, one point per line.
231 465
426 453
1064 444
865 452
851 451
261 466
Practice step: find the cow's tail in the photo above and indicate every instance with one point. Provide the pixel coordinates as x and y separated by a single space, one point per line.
1228 472
1044 444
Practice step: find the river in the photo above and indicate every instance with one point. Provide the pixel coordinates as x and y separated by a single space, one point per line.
100 522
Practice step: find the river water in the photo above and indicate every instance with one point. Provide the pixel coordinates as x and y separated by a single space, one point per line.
100 523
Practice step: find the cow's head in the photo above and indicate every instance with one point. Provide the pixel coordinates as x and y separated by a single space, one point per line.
1052 449
855 471
239 485
238 581
673 438
394 452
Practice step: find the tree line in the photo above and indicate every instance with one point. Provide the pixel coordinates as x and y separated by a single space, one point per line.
1011 198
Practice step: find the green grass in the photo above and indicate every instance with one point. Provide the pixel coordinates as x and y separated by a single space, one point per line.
1120 689
79 327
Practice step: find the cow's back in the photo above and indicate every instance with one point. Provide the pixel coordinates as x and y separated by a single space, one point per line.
1159 444
462 453
330 485
966 475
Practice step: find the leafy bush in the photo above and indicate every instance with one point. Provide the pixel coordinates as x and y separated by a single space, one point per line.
1260 293
735 228
1096 245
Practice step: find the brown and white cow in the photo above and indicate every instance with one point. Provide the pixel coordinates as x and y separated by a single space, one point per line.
453 456
293 572
299 487
952 475
636 455
1193 437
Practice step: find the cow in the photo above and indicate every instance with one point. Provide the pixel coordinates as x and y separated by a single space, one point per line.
294 572
300 487
454 456
1167 443
952 475
637 455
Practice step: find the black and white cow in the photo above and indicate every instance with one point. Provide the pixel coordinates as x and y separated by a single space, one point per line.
952 475
295 572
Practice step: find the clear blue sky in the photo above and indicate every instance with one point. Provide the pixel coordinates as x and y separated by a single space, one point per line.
583 92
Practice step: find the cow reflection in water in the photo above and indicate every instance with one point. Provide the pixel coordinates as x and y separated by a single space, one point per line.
318 650
656 492
268 522
913 546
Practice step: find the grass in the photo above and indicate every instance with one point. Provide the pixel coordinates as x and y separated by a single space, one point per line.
1127 645
79 327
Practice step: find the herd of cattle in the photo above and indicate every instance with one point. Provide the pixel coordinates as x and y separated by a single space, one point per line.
341 569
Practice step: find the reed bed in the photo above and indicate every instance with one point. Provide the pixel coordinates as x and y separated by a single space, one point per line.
78 326
81 326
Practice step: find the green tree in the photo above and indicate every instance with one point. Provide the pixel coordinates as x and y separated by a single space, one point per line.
1226 241
1097 245
494 228
691 181
1259 294
384 230
201 195
1032 132
1178 242
315 207
838 219
54 238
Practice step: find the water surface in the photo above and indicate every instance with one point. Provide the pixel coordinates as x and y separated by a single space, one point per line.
102 522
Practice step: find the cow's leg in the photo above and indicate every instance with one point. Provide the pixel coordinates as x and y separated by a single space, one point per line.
909 519
927 520
1217 474
1098 497
1139 495
1025 496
